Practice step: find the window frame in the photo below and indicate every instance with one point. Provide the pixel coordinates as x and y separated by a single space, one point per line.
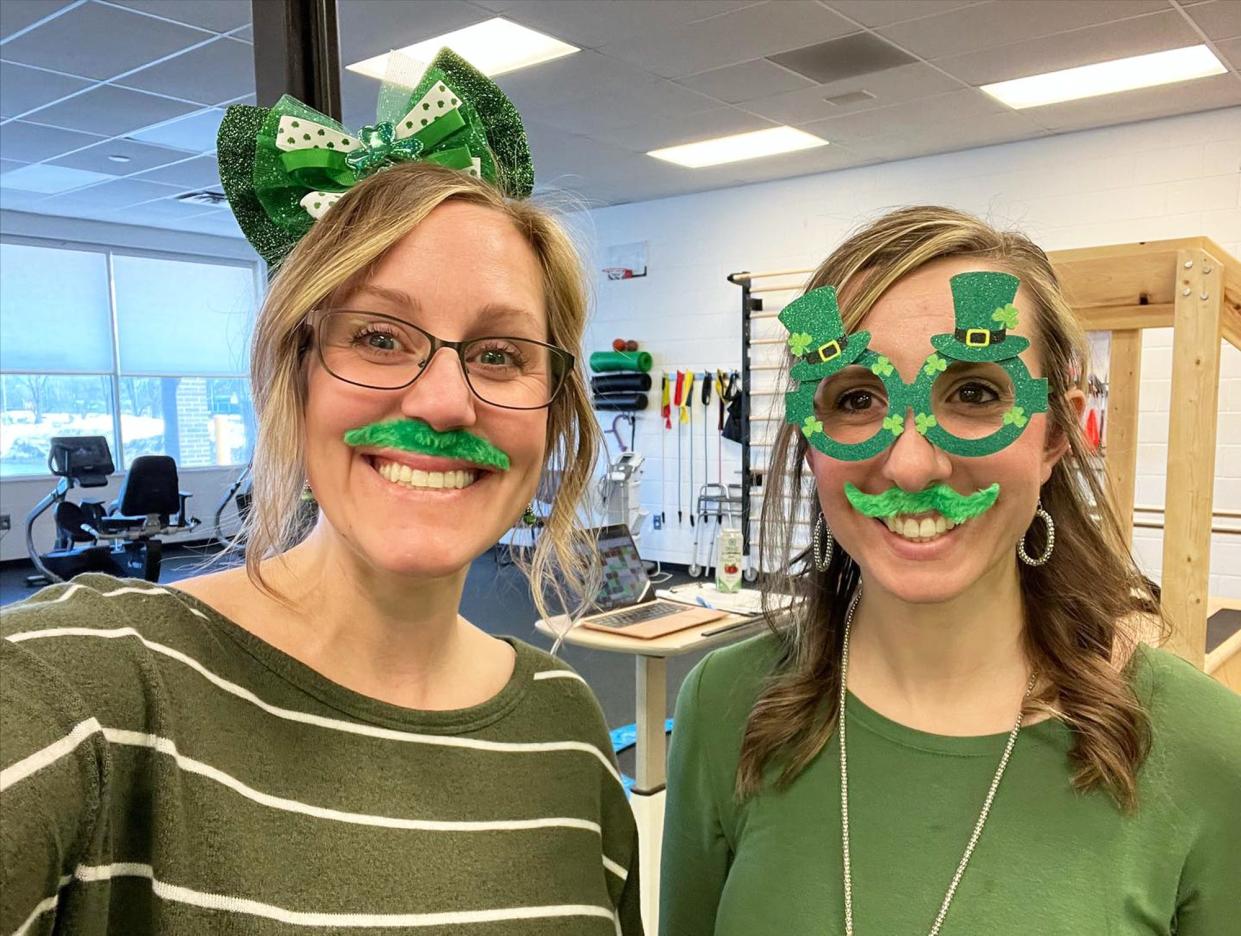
115 375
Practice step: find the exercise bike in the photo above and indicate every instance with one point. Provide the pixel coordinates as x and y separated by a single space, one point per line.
120 538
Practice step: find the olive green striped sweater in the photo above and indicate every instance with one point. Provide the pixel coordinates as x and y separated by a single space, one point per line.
165 771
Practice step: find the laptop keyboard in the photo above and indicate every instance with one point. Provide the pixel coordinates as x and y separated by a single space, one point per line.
636 615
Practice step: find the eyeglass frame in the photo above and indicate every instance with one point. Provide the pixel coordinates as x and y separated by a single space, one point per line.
317 317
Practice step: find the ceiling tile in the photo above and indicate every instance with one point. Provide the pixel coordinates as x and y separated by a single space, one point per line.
895 86
216 15
587 92
926 115
16 200
670 131
731 38
23 89
117 194
808 162
219 71
202 172
246 34
590 23
1145 104
994 24
1068 50
41 177
886 12
219 223
160 212
982 130
372 27
140 156
1220 19
9 164
1231 50
847 57
97 41
746 82
195 133
110 111
33 142
18 14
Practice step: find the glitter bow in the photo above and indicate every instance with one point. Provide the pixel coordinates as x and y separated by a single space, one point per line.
282 168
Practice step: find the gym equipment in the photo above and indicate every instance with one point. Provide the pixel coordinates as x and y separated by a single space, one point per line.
602 361
665 410
620 500
687 417
626 402
621 383
148 506
243 490
677 400
712 499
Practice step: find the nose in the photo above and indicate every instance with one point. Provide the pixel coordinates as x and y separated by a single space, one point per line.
440 396
913 463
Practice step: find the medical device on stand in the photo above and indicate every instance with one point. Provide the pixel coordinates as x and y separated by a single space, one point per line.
618 494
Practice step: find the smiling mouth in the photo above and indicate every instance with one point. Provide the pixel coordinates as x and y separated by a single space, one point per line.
405 476
920 528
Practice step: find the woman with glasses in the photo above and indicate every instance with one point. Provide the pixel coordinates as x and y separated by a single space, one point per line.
318 740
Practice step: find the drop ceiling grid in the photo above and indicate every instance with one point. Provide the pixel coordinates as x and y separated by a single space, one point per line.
651 73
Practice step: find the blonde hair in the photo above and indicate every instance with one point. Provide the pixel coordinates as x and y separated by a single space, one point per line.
1080 608
339 252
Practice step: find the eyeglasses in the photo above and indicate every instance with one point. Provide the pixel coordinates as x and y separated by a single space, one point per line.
369 349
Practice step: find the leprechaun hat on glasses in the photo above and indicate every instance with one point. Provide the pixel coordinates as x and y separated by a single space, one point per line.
982 303
283 167
817 336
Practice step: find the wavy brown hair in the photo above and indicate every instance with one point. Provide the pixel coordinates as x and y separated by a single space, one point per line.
1080 627
340 252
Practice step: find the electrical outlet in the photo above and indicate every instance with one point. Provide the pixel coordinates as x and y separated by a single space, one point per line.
657 520
6 523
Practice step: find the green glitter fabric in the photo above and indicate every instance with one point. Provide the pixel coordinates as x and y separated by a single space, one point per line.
982 302
414 435
267 182
956 507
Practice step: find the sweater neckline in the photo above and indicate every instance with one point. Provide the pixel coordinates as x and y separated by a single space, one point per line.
364 707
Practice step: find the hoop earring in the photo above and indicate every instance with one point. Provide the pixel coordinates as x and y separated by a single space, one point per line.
1051 539
821 559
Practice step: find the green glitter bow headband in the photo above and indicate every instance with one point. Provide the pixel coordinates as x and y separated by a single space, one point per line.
283 167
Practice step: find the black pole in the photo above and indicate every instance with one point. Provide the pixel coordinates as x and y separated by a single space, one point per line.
297 52
743 280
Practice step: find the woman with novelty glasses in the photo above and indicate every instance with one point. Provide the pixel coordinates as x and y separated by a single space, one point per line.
957 728
319 741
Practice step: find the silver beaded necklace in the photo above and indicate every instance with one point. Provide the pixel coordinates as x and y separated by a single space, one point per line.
844 791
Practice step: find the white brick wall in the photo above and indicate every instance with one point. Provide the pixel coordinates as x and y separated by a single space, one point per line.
1176 177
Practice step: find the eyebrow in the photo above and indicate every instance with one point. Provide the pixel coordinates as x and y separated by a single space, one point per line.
492 311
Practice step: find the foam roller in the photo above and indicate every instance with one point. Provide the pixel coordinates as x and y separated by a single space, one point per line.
620 402
602 361
621 383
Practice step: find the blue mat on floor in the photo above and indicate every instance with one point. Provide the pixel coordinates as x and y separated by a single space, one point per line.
625 737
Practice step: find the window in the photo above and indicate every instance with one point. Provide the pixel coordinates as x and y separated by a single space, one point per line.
156 356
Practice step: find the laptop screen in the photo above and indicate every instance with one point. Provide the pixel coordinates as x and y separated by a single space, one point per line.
624 580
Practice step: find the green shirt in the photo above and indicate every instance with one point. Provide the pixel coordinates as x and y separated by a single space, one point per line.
1050 862
165 771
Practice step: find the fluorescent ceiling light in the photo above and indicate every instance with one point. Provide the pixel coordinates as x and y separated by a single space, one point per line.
494 46
1127 74
739 146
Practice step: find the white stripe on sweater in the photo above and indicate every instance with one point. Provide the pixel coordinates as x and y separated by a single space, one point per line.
47 756
334 724
559 674
174 893
190 765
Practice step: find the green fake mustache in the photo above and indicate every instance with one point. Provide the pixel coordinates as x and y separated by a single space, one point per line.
956 507
414 435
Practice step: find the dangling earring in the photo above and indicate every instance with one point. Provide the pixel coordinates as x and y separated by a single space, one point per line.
530 518
1051 539
307 493
821 558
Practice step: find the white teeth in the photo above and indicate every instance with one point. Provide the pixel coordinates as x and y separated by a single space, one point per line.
417 478
919 530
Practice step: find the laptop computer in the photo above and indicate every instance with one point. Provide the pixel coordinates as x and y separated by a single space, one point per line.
626 603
